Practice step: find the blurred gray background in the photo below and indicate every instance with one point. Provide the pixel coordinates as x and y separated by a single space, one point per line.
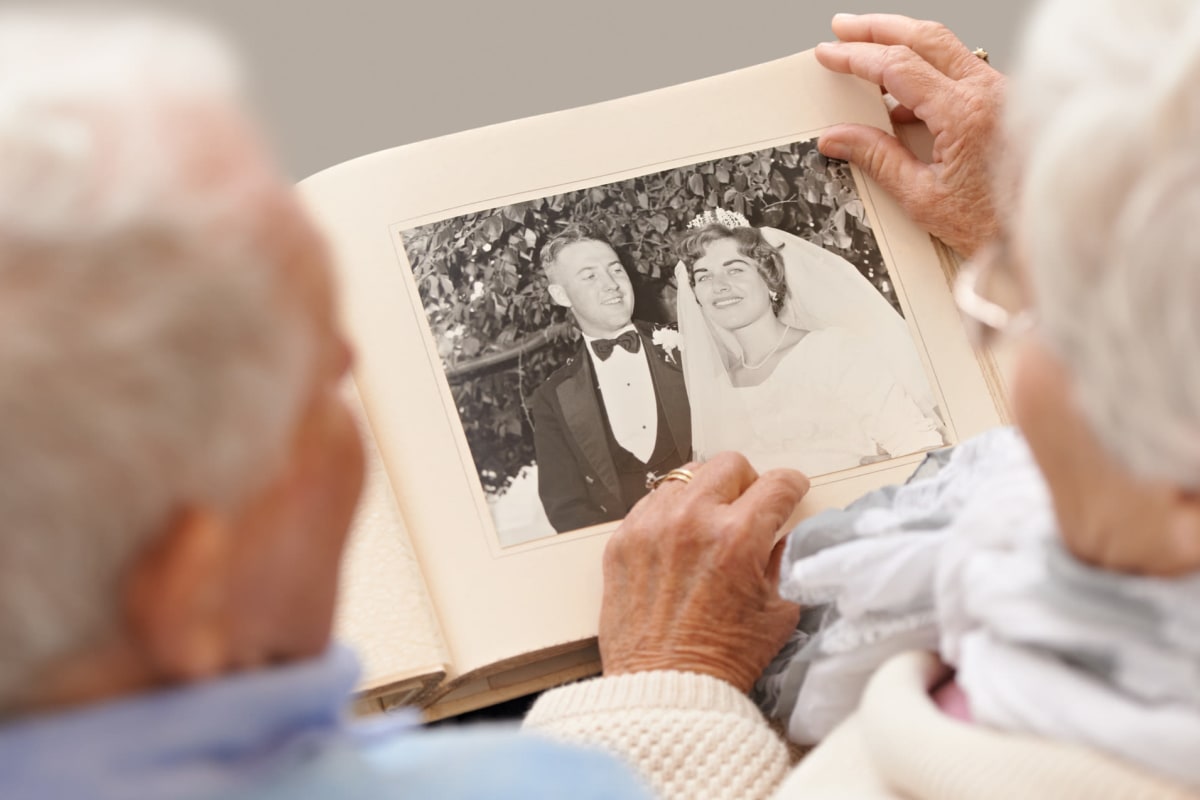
337 80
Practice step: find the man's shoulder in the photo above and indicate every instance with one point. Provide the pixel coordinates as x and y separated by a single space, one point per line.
498 762
568 370
380 762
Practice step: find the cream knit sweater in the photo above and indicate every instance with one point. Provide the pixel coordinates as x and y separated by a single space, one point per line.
692 736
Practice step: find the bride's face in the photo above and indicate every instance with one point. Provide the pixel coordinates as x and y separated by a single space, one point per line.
729 287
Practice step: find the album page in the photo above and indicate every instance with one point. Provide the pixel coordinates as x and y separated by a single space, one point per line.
514 440
384 610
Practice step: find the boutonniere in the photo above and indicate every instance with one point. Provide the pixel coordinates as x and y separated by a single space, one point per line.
669 342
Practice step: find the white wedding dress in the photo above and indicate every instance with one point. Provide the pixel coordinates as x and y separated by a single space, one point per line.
851 391
828 406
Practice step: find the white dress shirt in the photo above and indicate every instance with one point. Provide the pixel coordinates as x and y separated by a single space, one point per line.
628 394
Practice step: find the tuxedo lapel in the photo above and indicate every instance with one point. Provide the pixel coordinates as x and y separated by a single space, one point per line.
582 413
669 386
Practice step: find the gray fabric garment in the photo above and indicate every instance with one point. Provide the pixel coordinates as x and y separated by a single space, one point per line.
965 559
776 690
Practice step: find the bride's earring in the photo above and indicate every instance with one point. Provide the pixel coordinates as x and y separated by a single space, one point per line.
774 295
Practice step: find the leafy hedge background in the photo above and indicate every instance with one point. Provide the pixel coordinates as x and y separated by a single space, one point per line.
484 293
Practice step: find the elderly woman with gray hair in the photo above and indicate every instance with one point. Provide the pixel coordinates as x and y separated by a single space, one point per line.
1044 582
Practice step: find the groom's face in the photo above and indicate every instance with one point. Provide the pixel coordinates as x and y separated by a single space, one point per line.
588 278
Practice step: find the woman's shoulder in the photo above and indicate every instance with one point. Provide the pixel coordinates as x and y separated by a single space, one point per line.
844 348
841 359
832 346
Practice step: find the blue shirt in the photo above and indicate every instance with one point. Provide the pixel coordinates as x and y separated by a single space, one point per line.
284 733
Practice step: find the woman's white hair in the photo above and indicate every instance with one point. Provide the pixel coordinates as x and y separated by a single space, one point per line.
1104 123
148 359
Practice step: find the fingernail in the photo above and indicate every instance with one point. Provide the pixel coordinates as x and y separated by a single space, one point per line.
845 17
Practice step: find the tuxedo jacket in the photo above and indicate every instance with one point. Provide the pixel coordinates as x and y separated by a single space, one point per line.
577 477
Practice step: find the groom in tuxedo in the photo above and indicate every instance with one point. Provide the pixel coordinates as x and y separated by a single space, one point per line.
618 409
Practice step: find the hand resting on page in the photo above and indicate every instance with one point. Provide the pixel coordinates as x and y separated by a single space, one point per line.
691 577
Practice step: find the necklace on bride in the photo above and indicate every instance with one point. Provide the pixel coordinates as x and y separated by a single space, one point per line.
774 350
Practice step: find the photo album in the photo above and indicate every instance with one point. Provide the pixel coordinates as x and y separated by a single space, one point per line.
550 312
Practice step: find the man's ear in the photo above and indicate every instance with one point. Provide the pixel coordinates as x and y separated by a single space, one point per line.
559 295
176 597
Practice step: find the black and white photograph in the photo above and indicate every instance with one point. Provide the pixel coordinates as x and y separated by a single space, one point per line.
598 337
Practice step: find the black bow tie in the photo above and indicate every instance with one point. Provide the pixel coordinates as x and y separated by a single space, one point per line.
628 340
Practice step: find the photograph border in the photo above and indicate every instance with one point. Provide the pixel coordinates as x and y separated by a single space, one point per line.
466 460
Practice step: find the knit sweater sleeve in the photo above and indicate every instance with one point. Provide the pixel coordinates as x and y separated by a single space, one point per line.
689 735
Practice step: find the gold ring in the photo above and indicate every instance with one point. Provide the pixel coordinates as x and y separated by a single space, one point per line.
654 481
981 54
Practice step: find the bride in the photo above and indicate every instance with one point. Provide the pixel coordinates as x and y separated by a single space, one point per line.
791 356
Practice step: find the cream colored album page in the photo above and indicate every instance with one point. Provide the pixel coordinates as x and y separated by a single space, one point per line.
437 248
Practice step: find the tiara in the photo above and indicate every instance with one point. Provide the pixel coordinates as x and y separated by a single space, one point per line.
719 216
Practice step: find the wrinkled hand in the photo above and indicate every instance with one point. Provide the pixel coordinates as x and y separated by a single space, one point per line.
691 578
932 77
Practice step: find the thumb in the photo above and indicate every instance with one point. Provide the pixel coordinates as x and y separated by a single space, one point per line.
880 155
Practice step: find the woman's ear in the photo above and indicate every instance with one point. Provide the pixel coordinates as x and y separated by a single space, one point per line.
176 597
1183 532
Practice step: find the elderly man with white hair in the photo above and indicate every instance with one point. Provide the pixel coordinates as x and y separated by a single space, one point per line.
177 466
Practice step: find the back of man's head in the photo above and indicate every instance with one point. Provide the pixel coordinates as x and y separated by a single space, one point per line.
149 358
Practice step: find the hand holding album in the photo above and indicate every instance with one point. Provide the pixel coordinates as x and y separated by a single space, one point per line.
691 578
